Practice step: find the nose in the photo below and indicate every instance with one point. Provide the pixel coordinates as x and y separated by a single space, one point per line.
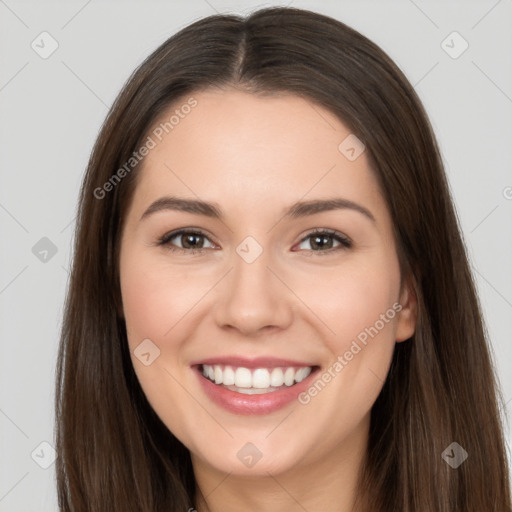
253 298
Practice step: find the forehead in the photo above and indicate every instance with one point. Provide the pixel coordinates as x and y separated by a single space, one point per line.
249 151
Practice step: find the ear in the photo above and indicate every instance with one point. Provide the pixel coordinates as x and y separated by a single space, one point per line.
407 316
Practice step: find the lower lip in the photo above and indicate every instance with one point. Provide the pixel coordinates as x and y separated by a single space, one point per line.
264 403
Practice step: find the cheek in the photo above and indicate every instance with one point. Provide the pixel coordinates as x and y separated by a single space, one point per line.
153 304
356 303
145 305
154 300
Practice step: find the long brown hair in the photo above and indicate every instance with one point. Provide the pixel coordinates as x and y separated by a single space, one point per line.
114 453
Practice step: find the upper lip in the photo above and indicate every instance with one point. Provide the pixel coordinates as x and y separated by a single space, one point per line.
258 362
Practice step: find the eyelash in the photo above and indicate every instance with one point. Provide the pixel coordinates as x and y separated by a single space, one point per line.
345 242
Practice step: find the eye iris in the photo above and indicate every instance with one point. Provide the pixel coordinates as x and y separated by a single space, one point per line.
187 238
316 244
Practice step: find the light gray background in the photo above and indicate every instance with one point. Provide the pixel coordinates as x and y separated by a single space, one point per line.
51 111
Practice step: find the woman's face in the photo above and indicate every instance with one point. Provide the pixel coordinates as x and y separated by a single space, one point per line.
296 328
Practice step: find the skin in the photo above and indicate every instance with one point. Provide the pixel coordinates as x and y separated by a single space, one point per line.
254 157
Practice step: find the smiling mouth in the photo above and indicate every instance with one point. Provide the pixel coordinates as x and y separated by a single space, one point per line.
255 381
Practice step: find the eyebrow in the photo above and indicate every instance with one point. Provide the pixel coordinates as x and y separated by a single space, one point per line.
297 210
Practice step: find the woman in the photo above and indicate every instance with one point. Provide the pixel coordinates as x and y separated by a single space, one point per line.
270 305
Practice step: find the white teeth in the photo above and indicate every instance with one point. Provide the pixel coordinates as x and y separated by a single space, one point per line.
252 391
289 376
256 380
261 378
217 372
243 378
228 376
302 373
277 377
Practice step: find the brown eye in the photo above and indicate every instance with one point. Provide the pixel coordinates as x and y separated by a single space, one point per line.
322 241
191 241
